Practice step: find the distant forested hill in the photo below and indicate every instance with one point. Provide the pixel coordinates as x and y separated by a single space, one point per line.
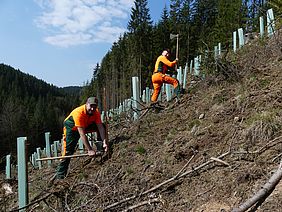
72 90
30 107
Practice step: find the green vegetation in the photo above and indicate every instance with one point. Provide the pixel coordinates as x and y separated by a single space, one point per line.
266 117
140 150
192 123
30 107
264 83
129 171
262 127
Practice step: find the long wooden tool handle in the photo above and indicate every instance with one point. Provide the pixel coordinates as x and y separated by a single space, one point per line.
177 47
62 157
106 120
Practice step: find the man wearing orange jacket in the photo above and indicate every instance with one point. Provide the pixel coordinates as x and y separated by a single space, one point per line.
159 76
83 119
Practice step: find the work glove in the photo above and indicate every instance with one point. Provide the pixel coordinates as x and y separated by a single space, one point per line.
105 146
91 153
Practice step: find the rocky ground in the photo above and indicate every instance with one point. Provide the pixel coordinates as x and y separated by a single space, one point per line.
211 151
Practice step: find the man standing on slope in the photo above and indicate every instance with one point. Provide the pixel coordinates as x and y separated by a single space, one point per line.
159 76
83 119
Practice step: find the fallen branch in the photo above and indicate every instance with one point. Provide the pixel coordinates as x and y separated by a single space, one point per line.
53 209
122 201
141 204
263 148
152 106
268 143
263 193
169 180
220 161
273 160
144 113
204 164
181 170
177 176
32 203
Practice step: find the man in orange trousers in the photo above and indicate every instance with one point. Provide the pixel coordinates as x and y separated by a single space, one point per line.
159 76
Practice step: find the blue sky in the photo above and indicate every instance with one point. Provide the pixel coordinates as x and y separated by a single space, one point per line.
61 41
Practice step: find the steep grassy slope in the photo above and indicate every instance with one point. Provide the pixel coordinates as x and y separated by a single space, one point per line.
210 152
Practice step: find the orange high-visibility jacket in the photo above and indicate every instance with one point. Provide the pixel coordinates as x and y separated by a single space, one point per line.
79 118
162 64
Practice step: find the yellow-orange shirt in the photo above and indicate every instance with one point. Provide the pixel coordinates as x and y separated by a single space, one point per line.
162 64
79 118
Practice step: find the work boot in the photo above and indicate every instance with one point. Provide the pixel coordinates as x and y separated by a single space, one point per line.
157 104
177 91
154 103
54 179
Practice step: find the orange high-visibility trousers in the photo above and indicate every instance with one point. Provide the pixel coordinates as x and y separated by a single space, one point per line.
158 79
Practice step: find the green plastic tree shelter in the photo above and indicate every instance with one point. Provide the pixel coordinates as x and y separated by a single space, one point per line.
180 76
168 92
261 27
270 22
185 76
196 66
215 52
191 67
234 41
33 160
22 172
241 37
80 146
38 157
8 166
136 97
48 147
144 96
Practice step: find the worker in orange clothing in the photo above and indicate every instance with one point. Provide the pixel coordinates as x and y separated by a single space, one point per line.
159 76
83 119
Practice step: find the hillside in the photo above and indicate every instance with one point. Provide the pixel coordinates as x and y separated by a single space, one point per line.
221 143
30 107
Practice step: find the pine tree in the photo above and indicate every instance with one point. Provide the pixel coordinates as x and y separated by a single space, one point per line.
227 21
185 31
140 33
162 32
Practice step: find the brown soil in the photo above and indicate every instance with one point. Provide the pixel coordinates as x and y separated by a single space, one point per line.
239 114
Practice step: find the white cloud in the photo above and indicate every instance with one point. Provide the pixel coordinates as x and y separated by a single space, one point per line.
75 22
65 40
